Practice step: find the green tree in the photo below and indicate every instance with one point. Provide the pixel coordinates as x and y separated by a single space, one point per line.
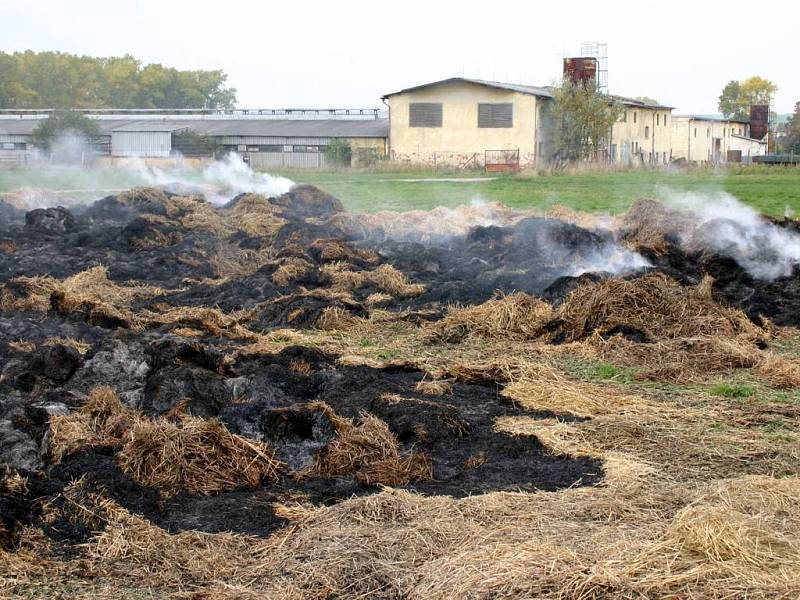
582 119
339 152
647 99
60 80
737 96
64 124
791 143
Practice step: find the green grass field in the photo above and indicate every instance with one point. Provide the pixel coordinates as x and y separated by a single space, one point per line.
771 190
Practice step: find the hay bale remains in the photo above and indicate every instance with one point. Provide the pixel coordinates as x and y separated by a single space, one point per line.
368 449
651 225
101 421
290 269
385 277
654 304
195 455
515 316
434 387
90 291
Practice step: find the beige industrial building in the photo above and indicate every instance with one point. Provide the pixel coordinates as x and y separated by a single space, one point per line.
707 139
471 122
643 135
468 122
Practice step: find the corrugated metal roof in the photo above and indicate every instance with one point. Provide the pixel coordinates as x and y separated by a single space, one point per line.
26 126
714 118
363 128
144 126
531 90
640 103
371 128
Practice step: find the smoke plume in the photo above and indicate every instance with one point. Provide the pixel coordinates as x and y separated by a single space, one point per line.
725 226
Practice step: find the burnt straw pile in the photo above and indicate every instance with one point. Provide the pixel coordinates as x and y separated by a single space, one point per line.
173 370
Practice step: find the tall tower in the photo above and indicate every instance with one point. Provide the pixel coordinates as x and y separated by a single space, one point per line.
599 51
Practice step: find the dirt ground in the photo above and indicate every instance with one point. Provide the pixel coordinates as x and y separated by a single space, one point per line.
278 398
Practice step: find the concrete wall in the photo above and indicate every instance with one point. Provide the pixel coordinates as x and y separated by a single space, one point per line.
748 147
642 136
703 141
141 143
366 146
459 140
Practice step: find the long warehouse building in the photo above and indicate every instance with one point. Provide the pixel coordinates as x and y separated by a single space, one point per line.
264 142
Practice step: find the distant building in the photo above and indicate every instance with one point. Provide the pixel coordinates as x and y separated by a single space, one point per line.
643 135
467 122
287 138
471 122
710 139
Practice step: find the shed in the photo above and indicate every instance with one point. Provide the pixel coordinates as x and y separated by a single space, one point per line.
145 138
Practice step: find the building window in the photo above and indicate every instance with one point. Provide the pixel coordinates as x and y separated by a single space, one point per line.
708 132
305 149
496 115
634 116
658 119
425 114
647 132
624 117
695 132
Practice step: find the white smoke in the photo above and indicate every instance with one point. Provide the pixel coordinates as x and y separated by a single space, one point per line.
726 226
437 224
611 258
219 182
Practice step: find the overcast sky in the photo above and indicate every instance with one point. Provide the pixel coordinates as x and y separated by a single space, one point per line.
348 53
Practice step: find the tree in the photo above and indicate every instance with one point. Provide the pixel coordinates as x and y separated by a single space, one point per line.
69 132
737 96
339 152
60 80
791 143
582 119
647 99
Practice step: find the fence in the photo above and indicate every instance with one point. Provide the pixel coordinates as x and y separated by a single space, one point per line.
498 161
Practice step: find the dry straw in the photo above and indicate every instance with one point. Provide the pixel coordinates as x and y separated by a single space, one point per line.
101 421
194 455
176 452
654 304
515 316
367 449
385 278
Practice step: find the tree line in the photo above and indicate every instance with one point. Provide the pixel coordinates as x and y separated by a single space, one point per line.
61 80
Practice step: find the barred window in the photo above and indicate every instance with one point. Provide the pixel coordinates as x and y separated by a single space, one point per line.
425 114
496 115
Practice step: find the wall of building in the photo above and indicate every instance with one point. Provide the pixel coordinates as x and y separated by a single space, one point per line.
642 136
141 143
459 140
748 147
367 149
701 141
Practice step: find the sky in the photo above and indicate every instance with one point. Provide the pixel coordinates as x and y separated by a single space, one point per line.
337 54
